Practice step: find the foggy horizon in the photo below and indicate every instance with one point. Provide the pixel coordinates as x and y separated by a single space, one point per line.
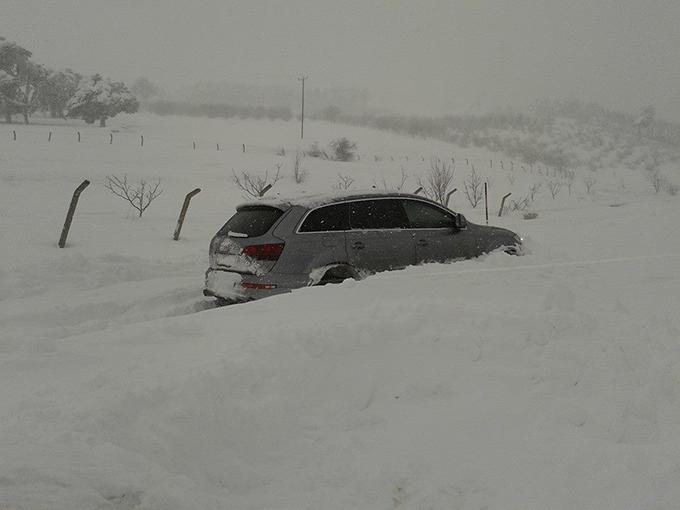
436 58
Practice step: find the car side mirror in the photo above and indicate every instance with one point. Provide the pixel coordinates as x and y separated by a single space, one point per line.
460 222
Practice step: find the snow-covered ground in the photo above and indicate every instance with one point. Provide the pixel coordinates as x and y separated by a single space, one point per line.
546 381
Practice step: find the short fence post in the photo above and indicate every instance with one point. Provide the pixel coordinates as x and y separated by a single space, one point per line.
418 190
183 212
71 212
448 196
244 148
218 147
141 140
265 189
78 136
194 145
486 203
14 135
110 138
49 136
500 211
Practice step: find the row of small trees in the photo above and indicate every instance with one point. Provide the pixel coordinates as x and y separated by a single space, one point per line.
27 87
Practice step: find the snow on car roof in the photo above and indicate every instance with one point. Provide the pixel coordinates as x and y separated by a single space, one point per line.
317 199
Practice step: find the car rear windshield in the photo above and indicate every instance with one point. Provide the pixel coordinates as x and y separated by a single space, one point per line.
252 221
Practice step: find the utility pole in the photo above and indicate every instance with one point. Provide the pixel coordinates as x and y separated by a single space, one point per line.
302 118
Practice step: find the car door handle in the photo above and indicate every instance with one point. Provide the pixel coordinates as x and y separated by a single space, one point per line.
422 242
358 245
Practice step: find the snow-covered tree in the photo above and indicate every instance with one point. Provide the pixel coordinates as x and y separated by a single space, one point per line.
14 64
99 99
59 88
33 80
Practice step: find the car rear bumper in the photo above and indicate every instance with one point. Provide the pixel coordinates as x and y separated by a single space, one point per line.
238 287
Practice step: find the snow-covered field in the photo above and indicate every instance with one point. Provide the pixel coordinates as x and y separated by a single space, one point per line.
546 381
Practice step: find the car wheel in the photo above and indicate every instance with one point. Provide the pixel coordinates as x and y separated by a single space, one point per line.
338 274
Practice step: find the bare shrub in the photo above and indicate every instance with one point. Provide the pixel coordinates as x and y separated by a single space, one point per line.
438 180
138 195
299 173
344 182
396 187
473 188
520 205
315 151
256 185
656 180
343 149
671 188
569 176
554 187
533 190
281 151
589 183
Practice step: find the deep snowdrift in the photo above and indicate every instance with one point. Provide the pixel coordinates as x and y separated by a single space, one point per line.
544 381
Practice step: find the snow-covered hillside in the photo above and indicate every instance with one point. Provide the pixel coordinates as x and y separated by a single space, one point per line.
543 381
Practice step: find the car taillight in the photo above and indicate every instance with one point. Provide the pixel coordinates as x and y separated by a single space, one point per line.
264 251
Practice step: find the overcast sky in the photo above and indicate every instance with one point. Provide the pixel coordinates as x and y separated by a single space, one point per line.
417 56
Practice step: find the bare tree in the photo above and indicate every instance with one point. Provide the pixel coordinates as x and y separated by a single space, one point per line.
589 182
256 185
438 180
139 195
344 182
299 173
554 187
473 188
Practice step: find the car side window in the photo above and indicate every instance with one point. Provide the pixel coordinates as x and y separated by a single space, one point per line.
327 219
423 215
377 214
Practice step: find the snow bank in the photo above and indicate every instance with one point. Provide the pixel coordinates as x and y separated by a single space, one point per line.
543 381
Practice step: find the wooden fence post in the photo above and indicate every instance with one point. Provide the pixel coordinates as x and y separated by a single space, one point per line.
110 138
78 136
183 212
500 211
486 203
265 189
49 137
448 196
14 135
141 140
71 212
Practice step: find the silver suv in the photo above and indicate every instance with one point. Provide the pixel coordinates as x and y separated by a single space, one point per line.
271 246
